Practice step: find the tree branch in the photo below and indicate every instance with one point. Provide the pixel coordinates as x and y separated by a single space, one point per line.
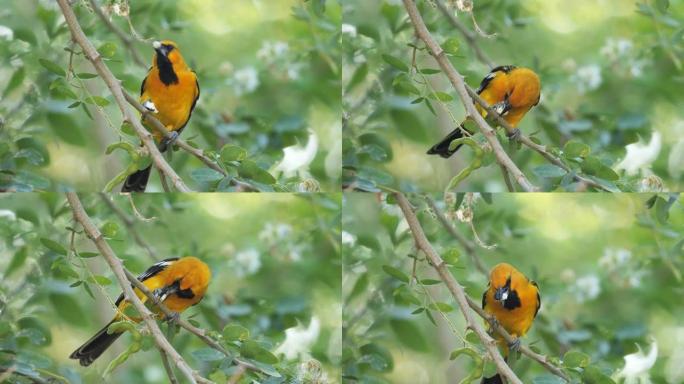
94 57
94 234
167 367
418 232
457 82
454 287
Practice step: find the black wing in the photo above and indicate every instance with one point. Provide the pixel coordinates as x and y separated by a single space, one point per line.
538 299
492 74
151 271
484 299
142 86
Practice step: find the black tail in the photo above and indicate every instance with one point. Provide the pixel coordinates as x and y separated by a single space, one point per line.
137 181
93 348
496 379
442 148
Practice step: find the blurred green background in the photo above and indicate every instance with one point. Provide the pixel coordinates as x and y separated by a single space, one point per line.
268 72
609 269
611 74
275 261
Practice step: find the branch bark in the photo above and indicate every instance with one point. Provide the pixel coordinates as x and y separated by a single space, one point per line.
112 83
457 82
455 288
125 38
470 37
94 234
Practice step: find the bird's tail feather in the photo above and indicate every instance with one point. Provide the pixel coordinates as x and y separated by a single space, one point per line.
93 348
137 182
442 148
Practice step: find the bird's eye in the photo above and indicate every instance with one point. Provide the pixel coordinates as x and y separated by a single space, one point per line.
168 47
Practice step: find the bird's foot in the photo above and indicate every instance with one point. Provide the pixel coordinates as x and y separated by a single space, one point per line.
514 345
173 318
169 139
514 135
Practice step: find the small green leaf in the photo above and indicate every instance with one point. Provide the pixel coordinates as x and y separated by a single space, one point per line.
97 100
234 332
109 229
87 255
53 246
205 175
52 67
17 261
409 334
100 280
250 170
394 272
107 50
16 80
252 350
395 62
207 354
86 75
231 152
576 359
451 46
574 148
442 307
441 96
549 171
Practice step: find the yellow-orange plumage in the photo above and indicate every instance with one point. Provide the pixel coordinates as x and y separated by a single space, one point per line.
178 283
512 91
170 92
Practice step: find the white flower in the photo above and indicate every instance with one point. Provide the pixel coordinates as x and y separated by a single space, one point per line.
640 156
616 48
348 239
637 365
614 257
271 50
587 288
311 372
245 80
6 213
247 262
588 77
6 33
298 340
349 29
296 159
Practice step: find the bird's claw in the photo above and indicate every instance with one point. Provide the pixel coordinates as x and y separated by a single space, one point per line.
514 345
514 135
173 318
169 139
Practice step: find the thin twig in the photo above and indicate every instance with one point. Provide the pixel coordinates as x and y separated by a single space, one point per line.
115 87
457 82
167 367
452 284
467 245
470 37
455 288
130 225
235 378
125 38
106 251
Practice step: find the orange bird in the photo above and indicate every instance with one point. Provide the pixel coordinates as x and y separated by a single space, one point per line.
510 90
514 301
178 283
170 92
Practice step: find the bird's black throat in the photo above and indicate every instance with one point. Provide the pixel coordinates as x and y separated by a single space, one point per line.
166 73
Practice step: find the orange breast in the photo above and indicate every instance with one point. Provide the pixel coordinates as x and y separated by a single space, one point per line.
173 102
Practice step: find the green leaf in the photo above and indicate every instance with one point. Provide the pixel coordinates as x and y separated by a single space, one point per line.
86 75
205 175
409 124
547 379
16 80
394 272
53 246
207 354
109 229
66 128
235 332
87 255
574 148
451 256
548 171
250 170
252 350
395 62
68 309
100 280
409 334
17 261
593 166
441 96
231 152
451 46
430 281
107 50
442 307
97 100
593 375
576 359
52 67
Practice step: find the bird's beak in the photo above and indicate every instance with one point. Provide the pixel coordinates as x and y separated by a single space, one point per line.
159 47
501 294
